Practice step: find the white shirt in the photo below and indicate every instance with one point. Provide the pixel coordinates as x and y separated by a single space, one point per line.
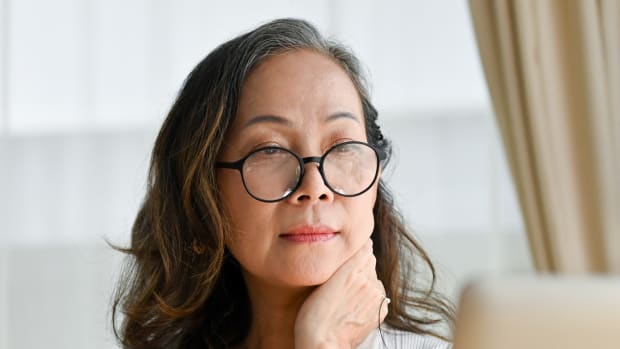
396 339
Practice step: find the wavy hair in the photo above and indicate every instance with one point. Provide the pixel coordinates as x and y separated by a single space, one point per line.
180 287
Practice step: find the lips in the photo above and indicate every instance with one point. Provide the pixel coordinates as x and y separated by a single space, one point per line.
310 233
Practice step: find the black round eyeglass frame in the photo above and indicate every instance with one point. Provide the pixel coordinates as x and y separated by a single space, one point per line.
238 165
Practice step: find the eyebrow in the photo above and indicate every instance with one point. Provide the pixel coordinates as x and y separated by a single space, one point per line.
283 121
267 118
342 114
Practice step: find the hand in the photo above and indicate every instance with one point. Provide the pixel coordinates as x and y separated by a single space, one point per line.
342 312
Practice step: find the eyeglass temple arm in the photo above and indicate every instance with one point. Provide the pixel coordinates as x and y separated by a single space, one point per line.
234 165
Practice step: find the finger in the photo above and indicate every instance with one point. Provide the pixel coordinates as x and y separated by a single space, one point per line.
373 297
359 259
370 268
384 309
380 307
386 302
377 306
371 264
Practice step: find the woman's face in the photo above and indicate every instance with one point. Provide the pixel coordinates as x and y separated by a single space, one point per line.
312 105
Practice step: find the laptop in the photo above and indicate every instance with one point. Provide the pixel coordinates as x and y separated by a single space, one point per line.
539 312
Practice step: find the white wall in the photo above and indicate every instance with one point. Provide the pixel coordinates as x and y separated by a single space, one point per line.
85 85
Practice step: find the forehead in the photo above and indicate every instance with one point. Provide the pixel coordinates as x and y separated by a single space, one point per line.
298 85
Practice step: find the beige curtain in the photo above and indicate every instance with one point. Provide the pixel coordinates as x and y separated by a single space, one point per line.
553 71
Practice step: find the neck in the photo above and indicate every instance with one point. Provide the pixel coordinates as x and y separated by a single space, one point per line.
274 311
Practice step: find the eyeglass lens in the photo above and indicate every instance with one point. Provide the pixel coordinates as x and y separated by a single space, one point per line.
273 173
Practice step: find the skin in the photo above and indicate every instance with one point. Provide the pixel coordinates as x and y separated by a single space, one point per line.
304 295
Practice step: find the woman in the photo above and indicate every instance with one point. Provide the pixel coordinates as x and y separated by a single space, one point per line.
266 223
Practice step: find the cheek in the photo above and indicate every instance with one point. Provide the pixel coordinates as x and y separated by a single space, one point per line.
250 220
361 217
236 206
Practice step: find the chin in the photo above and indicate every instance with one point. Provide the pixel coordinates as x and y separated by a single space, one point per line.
304 278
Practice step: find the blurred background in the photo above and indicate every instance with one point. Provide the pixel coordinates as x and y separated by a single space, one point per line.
85 85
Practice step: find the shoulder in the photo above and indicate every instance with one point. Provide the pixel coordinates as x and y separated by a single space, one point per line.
396 339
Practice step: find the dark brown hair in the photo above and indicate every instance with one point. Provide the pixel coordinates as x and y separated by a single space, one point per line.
180 287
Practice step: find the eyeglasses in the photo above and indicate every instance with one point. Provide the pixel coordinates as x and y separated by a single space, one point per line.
272 174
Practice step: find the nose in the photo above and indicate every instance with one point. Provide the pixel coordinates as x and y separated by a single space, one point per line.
312 187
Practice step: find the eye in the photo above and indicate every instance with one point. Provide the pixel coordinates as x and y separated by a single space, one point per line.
269 154
346 148
333 141
271 151
265 144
